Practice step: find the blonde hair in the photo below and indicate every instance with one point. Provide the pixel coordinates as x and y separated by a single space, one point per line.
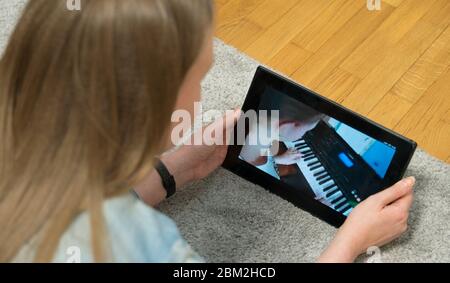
85 99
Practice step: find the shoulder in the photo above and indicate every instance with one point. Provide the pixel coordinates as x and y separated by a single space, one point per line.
135 231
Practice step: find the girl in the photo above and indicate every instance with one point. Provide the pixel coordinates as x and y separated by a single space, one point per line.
85 104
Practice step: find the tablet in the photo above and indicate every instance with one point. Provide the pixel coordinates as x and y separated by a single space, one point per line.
315 153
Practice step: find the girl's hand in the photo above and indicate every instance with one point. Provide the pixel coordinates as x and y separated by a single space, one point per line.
188 163
375 222
194 162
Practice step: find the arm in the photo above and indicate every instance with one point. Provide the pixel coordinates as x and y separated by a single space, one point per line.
375 222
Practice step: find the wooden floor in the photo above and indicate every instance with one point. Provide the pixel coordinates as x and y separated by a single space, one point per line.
392 65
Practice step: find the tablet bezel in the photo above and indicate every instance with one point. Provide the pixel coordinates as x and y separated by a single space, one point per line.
264 78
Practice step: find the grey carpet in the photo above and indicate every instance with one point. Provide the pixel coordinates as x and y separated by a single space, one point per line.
227 219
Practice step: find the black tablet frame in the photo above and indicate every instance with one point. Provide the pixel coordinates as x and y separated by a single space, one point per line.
266 78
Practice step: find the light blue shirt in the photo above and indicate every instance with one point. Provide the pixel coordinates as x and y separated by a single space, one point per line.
135 233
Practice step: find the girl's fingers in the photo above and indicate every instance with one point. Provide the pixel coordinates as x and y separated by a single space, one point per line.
223 125
396 192
404 203
226 122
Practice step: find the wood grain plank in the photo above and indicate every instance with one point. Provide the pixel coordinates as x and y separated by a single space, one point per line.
434 104
339 46
376 46
401 57
394 3
329 22
446 117
289 59
280 34
436 140
390 110
230 16
337 86
426 70
220 3
243 35
424 122
270 12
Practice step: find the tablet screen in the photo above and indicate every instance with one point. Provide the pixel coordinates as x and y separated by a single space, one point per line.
317 154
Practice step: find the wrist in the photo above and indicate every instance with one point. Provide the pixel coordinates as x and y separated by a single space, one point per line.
181 175
341 250
151 189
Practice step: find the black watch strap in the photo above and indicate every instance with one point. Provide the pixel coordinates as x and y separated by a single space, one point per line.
168 181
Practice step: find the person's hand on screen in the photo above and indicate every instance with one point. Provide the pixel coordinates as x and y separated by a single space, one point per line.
289 157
